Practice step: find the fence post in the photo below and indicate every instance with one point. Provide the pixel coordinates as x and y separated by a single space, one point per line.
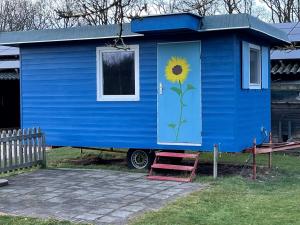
270 153
25 149
14 134
10 156
216 153
254 160
44 162
35 158
21 149
4 150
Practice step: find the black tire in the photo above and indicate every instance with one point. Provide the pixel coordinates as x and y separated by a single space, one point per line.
139 158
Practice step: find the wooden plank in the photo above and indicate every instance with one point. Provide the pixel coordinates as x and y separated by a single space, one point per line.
39 139
4 151
10 156
29 141
176 155
172 167
164 178
25 149
44 164
34 146
21 149
14 134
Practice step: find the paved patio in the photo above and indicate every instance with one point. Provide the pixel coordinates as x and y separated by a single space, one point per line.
92 196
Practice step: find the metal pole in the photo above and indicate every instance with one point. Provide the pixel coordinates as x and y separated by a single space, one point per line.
254 160
270 153
216 153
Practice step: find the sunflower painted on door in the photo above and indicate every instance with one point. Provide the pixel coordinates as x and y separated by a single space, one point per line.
179 100
177 70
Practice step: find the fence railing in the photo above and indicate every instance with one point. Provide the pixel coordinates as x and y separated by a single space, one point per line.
21 149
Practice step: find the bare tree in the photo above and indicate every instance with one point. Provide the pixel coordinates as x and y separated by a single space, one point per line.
103 12
283 10
164 6
200 7
238 6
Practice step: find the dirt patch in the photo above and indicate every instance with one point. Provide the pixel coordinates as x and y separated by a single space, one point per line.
204 168
96 160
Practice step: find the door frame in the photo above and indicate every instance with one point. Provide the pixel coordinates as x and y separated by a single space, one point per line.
157 95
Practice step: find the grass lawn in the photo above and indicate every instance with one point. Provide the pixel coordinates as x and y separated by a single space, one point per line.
12 220
273 199
232 199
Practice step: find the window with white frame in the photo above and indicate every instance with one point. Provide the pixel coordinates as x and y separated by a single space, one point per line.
118 74
255 66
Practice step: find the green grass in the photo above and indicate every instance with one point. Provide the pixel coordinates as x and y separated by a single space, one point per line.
232 199
273 199
20 171
16 220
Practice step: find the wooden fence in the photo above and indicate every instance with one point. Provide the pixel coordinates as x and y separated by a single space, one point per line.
21 149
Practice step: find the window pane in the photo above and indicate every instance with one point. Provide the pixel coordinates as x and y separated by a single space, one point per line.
254 66
118 73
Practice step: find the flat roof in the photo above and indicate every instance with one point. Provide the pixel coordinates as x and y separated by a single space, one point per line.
208 23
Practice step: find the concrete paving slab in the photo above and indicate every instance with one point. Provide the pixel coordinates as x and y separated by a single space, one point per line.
92 196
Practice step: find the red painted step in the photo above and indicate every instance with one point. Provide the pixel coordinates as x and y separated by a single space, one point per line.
172 167
176 155
164 178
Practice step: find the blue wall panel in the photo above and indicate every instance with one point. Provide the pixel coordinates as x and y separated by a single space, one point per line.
253 118
59 95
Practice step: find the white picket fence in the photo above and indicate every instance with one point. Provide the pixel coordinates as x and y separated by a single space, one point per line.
21 149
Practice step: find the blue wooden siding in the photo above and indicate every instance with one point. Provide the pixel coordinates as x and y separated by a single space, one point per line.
218 99
59 95
253 107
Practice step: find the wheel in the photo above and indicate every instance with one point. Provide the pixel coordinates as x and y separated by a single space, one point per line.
139 159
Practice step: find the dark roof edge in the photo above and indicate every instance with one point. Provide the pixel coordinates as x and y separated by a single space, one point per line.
70 39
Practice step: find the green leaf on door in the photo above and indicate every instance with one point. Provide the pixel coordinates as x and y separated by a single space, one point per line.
177 90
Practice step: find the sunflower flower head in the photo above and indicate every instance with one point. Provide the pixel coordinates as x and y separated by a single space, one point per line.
177 70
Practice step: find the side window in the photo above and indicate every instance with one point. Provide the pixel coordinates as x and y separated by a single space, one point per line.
255 66
118 74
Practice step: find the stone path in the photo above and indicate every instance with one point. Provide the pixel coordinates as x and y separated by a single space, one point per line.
92 196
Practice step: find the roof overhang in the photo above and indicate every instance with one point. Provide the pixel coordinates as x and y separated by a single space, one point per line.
152 24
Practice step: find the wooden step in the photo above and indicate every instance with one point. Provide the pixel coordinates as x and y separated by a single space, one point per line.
164 178
172 167
176 155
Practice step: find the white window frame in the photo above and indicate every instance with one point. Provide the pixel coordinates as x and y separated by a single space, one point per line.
100 95
255 85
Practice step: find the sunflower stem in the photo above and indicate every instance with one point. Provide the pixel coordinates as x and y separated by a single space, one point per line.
181 111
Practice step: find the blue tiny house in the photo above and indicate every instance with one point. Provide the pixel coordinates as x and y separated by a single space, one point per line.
183 82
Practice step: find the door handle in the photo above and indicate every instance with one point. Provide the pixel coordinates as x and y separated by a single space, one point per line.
160 88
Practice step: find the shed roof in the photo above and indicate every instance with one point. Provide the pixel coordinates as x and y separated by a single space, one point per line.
286 68
292 29
9 75
208 23
293 32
